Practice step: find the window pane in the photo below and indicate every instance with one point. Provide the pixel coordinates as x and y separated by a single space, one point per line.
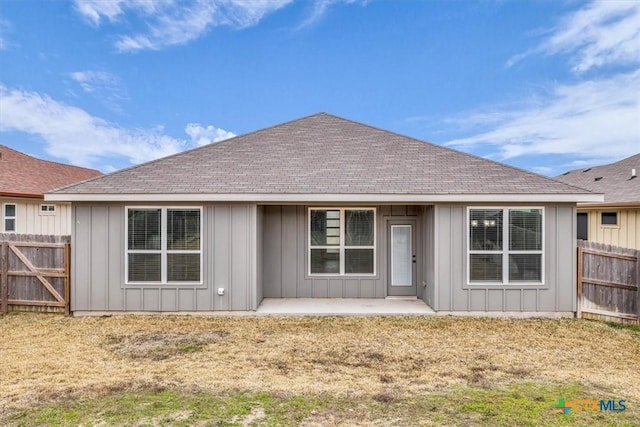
525 229
325 228
144 229
525 267
144 267
43 208
609 218
485 267
358 261
485 226
183 267
325 261
183 229
359 228
9 210
10 225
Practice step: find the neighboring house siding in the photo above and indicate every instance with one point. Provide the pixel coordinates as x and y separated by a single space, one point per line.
98 259
557 294
285 269
626 234
30 219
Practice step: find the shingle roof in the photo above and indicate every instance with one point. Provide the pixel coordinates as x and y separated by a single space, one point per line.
26 176
322 154
614 180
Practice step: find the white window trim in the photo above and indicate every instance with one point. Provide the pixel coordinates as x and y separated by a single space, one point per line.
163 246
14 217
506 251
47 212
616 225
342 245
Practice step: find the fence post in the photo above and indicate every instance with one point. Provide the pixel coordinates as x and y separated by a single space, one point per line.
4 277
67 278
579 284
638 285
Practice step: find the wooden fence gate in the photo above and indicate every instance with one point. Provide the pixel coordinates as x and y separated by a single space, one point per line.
608 282
34 273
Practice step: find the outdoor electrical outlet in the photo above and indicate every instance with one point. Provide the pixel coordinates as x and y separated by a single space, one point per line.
220 291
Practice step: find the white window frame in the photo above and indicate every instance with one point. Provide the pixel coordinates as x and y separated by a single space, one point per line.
506 250
163 245
48 211
616 225
14 217
342 245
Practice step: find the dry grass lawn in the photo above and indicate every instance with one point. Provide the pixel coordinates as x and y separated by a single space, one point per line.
50 358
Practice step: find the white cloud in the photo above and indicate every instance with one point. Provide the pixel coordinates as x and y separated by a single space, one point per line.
106 87
203 135
174 22
596 118
80 138
319 9
605 32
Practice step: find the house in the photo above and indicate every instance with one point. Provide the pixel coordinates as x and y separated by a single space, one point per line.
323 207
616 221
23 182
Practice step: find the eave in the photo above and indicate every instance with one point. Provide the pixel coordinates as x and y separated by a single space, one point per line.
330 198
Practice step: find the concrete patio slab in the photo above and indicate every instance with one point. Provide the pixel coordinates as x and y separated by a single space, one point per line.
343 307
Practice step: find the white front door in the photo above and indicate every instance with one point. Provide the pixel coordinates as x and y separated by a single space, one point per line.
402 259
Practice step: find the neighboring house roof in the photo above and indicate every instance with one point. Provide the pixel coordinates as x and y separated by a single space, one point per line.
24 176
615 180
318 158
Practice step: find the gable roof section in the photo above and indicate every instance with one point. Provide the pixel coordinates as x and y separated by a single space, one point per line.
614 180
24 176
320 158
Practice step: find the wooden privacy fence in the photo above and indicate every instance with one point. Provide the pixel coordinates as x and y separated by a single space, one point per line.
608 282
34 273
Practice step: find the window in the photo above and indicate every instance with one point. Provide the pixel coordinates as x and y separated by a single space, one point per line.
164 245
583 226
505 245
47 209
10 218
609 218
342 241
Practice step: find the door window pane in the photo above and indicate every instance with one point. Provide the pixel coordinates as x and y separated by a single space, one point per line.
401 256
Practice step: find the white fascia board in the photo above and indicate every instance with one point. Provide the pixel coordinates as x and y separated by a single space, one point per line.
330 198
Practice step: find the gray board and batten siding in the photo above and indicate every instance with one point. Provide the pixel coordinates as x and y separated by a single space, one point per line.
229 262
453 293
285 248
256 252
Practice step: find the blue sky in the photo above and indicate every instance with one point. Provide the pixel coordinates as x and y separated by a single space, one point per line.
547 86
